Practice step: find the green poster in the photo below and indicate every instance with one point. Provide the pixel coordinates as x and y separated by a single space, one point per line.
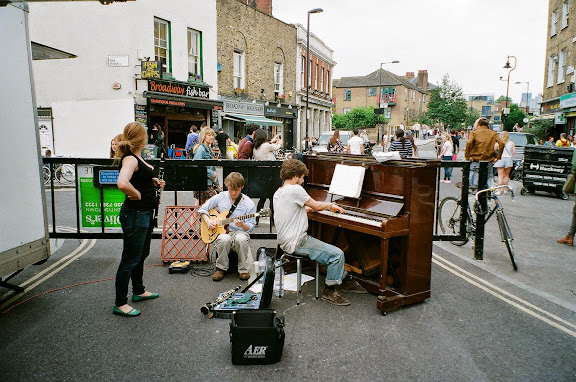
90 201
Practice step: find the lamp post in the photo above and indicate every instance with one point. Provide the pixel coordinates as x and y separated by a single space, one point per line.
308 67
380 103
527 91
507 66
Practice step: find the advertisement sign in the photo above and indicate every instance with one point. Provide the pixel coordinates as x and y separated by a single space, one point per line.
90 201
559 118
567 100
141 115
151 69
243 107
179 88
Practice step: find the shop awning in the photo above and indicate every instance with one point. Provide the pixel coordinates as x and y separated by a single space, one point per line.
257 119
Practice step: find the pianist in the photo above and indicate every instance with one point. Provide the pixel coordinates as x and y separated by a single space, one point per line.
291 204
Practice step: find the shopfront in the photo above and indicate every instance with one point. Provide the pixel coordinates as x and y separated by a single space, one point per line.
287 116
236 114
176 106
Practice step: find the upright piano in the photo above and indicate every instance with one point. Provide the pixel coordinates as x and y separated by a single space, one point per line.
387 233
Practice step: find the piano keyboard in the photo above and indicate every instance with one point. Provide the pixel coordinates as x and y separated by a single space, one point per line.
346 216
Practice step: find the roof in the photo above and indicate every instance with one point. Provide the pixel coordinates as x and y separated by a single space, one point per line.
414 81
373 80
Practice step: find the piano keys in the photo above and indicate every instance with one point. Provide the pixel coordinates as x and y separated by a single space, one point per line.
386 234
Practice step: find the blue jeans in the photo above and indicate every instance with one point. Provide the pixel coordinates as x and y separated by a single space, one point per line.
137 231
447 170
474 170
330 256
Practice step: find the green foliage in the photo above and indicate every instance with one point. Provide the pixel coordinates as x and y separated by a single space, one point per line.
359 117
447 104
503 98
516 116
471 116
540 128
423 119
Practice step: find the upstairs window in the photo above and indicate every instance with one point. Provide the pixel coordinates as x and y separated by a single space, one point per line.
553 22
239 77
194 54
316 73
278 79
322 80
550 78
162 43
565 11
303 73
562 65
347 94
372 92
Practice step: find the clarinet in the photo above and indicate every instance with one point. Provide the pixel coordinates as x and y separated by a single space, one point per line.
225 296
159 191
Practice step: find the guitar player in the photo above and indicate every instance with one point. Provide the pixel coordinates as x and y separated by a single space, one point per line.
237 237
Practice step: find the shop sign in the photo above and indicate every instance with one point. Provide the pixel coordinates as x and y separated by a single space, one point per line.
140 114
90 201
559 118
243 108
550 107
151 69
282 112
117 60
179 88
568 100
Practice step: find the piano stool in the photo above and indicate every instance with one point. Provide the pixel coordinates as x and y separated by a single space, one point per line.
287 257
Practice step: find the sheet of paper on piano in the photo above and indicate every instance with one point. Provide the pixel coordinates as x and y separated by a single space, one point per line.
347 180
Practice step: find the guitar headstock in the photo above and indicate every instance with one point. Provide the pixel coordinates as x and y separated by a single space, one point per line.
264 213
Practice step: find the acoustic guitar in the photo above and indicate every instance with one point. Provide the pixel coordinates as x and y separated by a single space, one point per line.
209 235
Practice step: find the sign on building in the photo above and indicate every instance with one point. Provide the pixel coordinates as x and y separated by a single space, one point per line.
151 69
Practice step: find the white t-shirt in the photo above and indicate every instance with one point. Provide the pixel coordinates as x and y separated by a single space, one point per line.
507 152
265 151
290 215
355 143
449 148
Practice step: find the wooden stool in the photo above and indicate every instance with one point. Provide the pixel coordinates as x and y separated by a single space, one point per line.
283 256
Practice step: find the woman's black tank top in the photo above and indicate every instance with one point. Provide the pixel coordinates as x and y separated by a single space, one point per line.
142 181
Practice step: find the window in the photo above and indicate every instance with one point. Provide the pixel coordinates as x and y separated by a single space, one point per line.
162 43
302 73
562 65
553 22
388 112
278 79
486 111
316 82
550 80
194 54
347 94
388 95
309 73
372 92
565 11
328 86
239 78
322 80
346 110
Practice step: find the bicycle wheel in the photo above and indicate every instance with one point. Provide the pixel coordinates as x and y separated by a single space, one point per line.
449 217
46 174
67 173
506 236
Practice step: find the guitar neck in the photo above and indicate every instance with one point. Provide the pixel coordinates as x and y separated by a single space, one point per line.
243 217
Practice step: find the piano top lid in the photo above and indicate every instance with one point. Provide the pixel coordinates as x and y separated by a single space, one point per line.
368 159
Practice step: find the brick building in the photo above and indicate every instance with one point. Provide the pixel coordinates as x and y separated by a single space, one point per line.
256 69
559 94
405 98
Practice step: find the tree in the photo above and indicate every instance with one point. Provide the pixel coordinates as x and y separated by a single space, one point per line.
540 128
471 116
516 116
358 117
447 103
503 99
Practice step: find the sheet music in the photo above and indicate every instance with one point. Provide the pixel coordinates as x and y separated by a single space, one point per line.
347 181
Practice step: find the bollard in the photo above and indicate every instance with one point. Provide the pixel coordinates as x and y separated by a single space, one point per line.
481 218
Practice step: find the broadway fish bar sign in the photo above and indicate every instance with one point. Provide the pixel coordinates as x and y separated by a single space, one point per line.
179 88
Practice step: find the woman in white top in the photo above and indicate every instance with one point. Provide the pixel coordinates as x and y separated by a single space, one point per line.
504 165
446 151
264 150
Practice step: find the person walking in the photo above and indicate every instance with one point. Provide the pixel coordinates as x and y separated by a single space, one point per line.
563 141
355 144
569 238
334 144
410 137
480 147
137 180
402 145
247 143
204 151
505 164
455 143
191 140
157 138
223 140
446 154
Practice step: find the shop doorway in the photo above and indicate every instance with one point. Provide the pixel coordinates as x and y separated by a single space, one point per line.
176 128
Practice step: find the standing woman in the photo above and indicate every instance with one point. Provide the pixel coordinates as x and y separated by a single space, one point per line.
204 151
504 165
402 145
137 181
446 152
264 150
335 145
410 137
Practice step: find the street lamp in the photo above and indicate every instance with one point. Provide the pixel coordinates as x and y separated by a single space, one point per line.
507 66
527 91
308 67
380 103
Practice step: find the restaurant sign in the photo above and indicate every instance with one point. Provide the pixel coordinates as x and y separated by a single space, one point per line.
179 88
243 107
151 69
567 100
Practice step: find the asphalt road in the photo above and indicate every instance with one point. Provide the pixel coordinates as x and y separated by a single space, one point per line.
483 322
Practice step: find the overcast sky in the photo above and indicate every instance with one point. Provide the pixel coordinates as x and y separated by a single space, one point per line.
467 39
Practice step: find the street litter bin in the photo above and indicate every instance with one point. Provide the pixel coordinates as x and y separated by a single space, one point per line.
546 169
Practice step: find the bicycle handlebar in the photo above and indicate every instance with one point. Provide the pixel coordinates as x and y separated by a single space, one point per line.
492 189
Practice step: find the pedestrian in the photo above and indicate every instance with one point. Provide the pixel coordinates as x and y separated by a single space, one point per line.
355 144
416 128
247 143
264 150
334 144
402 127
563 141
364 136
550 141
455 143
385 140
425 131
410 137
114 146
156 137
569 238
480 147
191 140
402 145
504 165
223 140
204 151
137 180
446 154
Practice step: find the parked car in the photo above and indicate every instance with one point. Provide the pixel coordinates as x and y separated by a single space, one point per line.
521 140
322 145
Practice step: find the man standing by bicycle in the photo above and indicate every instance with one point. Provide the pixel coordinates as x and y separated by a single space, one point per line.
481 147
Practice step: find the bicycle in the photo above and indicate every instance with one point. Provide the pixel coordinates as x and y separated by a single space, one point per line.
450 217
63 173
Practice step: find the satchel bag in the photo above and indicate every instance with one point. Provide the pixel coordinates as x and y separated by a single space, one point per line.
570 184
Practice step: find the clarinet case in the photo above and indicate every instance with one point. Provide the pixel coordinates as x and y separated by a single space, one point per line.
257 337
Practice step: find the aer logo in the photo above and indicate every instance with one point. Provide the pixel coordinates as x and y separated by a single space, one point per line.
255 352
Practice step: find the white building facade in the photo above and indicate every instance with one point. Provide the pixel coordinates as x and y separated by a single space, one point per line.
320 65
89 99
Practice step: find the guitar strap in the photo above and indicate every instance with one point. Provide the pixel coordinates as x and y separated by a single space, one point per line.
234 205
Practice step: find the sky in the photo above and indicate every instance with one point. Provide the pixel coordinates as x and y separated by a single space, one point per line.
466 39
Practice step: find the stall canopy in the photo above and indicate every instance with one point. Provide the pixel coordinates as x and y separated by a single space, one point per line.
257 119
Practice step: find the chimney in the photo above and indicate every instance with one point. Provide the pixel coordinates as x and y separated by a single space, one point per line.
409 75
262 5
422 81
